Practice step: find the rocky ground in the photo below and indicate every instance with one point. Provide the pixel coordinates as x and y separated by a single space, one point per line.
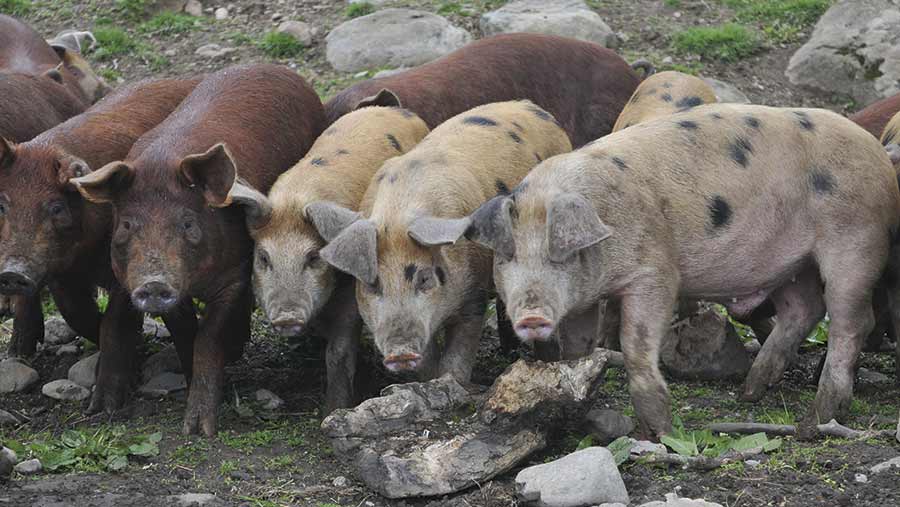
276 455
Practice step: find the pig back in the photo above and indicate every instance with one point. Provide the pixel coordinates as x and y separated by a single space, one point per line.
30 105
22 49
875 117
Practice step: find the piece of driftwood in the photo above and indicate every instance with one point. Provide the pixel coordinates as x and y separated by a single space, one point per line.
832 429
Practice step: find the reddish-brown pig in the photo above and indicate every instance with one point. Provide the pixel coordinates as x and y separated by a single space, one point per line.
30 105
583 85
875 117
176 234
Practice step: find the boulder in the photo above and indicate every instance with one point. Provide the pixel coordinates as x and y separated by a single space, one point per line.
586 477
854 50
392 38
16 376
8 460
193 7
302 32
65 390
57 332
607 425
163 384
704 346
29 467
7 419
726 92
166 360
672 500
566 18
270 400
84 372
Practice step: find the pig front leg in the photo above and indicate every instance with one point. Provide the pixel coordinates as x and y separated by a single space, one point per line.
227 319
645 316
461 342
509 342
578 334
342 325
28 325
120 331
182 325
77 303
6 306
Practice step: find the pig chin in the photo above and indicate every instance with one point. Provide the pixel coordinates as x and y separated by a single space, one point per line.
402 357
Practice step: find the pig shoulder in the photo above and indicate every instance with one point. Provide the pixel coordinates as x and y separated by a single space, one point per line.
663 94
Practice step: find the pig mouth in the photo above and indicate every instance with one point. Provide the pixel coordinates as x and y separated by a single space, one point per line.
17 279
408 361
289 327
534 327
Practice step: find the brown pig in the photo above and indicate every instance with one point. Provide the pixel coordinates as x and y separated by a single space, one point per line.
412 280
876 116
50 236
583 85
293 285
180 227
744 203
664 94
30 105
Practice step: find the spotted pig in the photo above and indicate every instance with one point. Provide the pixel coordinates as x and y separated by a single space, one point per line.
664 94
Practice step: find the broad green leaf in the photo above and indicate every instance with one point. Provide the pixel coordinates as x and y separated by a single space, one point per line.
754 441
116 463
71 438
771 445
620 449
585 442
683 447
244 410
144 449
154 437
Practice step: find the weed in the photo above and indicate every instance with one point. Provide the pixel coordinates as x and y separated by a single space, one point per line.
453 8
280 45
113 42
239 38
167 23
227 466
780 20
15 7
132 10
103 449
728 43
703 442
279 462
191 453
819 336
360 9
247 441
672 3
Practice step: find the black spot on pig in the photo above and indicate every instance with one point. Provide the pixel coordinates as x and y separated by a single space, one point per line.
689 102
480 121
379 178
392 178
822 182
688 125
394 142
805 122
634 98
752 122
667 85
715 116
666 97
619 163
544 115
889 136
719 212
740 151
342 152
409 272
515 137
441 276
319 161
407 113
501 187
518 127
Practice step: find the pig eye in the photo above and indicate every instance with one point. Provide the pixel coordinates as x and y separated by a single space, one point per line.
312 259
2 209
263 259
189 227
56 209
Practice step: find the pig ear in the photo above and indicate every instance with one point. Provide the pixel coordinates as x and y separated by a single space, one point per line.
7 151
573 224
329 219
71 167
491 226
385 98
354 251
893 151
257 208
213 173
54 74
103 184
432 231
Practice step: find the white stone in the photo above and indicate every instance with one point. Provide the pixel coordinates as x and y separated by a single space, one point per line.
881 467
340 482
29 467
586 477
8 460
163 361
672 500
299 30
152 328
861 478
270 400
67 349
16 376
221 13
57 332
567 18
65 390
84 372
213 51
195 500
641 447
7 419
728 93
163 384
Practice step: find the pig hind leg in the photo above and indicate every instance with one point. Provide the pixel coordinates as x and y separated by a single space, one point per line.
182 325
799 306
28 325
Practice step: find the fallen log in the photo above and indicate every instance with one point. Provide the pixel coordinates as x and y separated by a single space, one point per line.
832 429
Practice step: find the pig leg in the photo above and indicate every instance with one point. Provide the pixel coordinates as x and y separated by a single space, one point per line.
28 325
342 326
609 325
77 304
799 306
182 324
646 312
6 306
893 296
120 330
226 319
578 333
461 343
509 342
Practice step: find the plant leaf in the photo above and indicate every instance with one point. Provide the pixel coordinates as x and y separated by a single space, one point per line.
116 463
683 447
620 449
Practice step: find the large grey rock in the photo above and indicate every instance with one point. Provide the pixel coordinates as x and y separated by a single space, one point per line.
726 92
567 18
7 419
586 477
672 500
8 460
607 425
166 360
302 32
854 50
704 346
65 390
84 372
16 376
57 332
29 467
881 467
163 384
270 400
392 38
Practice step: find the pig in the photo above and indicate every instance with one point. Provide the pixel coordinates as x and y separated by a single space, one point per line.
664 94
30 105
876 116
411 281
293 285
583 85
180 229
49 236
744 203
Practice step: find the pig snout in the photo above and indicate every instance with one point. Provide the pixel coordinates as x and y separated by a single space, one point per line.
16 278
407 361
533 327
155 297
288 327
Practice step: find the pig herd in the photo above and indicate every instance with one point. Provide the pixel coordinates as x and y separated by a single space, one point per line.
405 203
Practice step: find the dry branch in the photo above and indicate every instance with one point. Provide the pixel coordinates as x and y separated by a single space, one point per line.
831 429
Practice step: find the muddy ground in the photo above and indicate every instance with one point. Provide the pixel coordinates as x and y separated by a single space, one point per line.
263 458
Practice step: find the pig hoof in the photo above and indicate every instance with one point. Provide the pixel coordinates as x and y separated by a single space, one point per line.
752 394
195 422
103 401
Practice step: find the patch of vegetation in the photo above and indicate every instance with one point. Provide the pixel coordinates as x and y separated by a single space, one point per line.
239 38
672 3
780 20
15 7
113 42
89 450
819 335
168 23
190 453
728 43
280 45
360 9
705 443
227 466
132 10
453 8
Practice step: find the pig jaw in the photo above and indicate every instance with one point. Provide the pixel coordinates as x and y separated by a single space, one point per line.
18 277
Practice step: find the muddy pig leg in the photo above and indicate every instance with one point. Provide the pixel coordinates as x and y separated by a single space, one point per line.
461 341
182 324
646 312
6 307
342 326
509 342
893 296
799 306
578 333
227 319
120 331
882 312
77 303
28 325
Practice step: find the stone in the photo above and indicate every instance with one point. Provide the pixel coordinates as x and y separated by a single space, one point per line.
153 329
873 377
567 18
65 390
704 346
881 467
221 13
29 467
672 500
7 419
726 92
163 384
302 32
752 463
753 346
861 478
163 361
194 500
8 460
642 447
67 349
84 372
16 376
57 332
607 425
270 400
340 482
194 8
213 51
392 38
854 50
586 477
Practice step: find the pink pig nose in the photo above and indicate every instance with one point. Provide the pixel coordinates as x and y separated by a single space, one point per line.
533 328
402 362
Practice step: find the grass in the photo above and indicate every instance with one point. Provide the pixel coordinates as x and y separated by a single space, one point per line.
168 23
452 8
132 10
113 42
101 449
190 454
15 7
227 466
727 43
781 20
280 45
360 9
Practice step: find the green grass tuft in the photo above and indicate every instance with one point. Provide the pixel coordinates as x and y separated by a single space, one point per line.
113 42
728 43
132 10
280 45
780 20
360 9
452 8
167 23
15 7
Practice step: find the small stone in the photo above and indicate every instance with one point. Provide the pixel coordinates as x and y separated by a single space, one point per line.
752 463
67 349
302 32
672 500
753 346
7 419
151 327
361 74
861 478
586 477
170 52
194 499
221 13
194 8
668 60
270 400
277 16
29 467
15 376
57 332
163 384
676 14
340 482
641 447
240 476
615 504
163 361
65 390
8 460
213 51
84 372
608 425
873 377
881 467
